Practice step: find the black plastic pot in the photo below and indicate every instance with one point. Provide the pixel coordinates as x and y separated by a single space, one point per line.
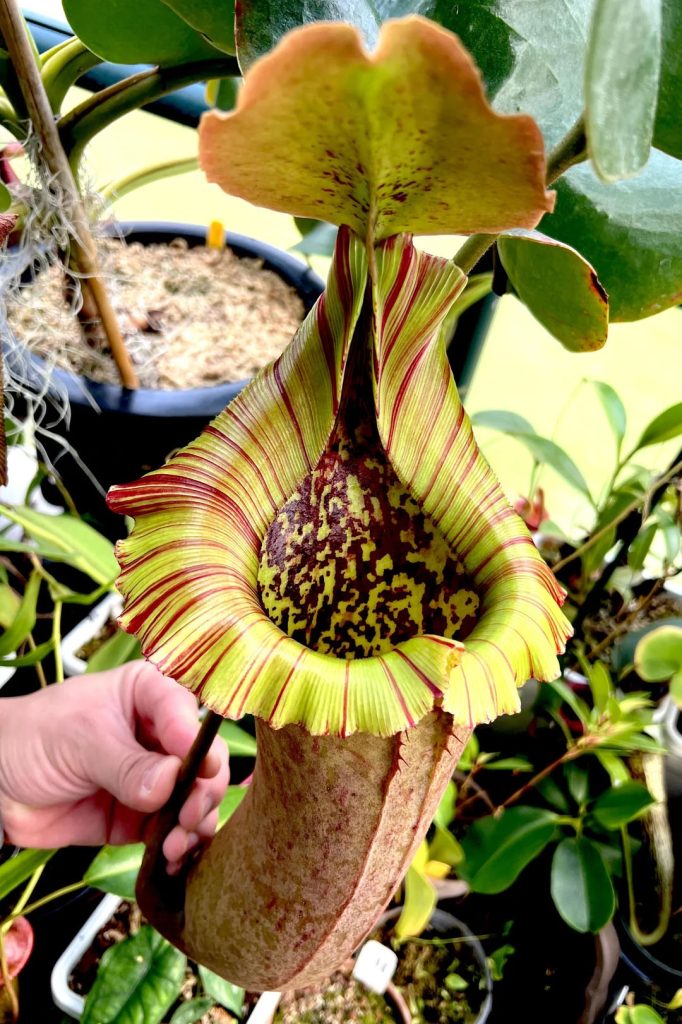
120 434
643 971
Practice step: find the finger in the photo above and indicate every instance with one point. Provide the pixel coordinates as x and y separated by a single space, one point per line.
166 711
206 794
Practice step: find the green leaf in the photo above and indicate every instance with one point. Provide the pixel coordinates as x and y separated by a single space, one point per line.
118 649
240 743
663 427
509 764
619 805
613 407
630 232
581 885
600 684
70 540
658 655
558 286
115 869
641 546
638 1014
548 453
10 602
445 848
24 620
230 803
577 706
224 992
261 24
446 808
497 850
502 419
621 85
5 198
192 1011
668 134
32 658
420 903
213 21
578 780
613 766
136 32
550 790
320 241
137 981
17 869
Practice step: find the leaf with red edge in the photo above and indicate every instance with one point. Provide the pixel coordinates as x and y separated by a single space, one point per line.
402 139
559 287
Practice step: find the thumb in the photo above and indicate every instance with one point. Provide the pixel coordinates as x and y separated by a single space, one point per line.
141 779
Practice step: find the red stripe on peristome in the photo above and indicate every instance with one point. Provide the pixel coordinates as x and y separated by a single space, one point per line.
215 432
292 415
396 689
286 681
329 350
255 672
445 452
420 674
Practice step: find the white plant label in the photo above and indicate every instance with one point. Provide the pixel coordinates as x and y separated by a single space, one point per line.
375 966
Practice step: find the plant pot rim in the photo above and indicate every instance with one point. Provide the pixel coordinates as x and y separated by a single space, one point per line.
153 402
87 629
18 946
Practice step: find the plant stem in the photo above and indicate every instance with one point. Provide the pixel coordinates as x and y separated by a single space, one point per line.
568 755
82 123
56 639
38 666
44 900
570 151
146 175
84 253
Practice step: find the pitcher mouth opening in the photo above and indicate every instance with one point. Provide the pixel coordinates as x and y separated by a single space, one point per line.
351 566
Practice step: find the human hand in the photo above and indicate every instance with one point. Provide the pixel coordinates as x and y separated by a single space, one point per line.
88 761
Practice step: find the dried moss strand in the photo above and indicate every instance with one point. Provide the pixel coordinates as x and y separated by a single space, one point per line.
84 256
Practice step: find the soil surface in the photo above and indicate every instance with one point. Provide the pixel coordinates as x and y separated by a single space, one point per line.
191 317
338 1001
91 646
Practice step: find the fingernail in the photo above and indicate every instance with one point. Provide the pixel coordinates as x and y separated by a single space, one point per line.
208 807
150 777
192 841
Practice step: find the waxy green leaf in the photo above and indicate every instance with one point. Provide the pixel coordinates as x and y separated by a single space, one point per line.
420 902
115 869
138 980
192 1011
240 743
668 134
214 21
68 540
621 85
17 869
613 408
581 885
117 650
658 658
224 992
496 850
374 145
630 232
663 427
261 24
136 32
24 620
558 286
621 804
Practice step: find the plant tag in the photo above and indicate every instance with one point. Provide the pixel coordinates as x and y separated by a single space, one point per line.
375 966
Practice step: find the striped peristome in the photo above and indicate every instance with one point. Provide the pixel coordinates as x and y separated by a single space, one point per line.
190 569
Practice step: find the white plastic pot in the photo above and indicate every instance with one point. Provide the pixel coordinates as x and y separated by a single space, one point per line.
86 630
71 1003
